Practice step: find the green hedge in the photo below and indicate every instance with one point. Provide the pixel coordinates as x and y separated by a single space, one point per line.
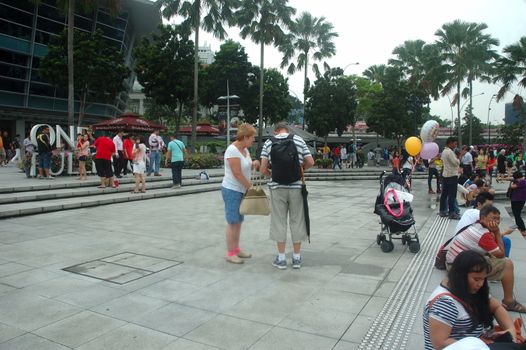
203 161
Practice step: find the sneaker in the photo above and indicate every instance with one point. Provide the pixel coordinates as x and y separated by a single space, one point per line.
280 264
454 216
431 192
442 214
234 259
296 263
244 255
157 174
174 187
50 177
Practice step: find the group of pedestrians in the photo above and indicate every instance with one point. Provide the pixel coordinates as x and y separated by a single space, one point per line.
9 148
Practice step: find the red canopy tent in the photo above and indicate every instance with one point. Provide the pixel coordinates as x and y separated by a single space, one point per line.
202 129
128 122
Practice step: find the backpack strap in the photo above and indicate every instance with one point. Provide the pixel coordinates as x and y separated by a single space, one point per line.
444 247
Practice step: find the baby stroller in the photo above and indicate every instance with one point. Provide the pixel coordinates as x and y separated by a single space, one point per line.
396 215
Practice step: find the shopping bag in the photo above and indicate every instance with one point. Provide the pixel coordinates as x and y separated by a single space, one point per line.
255 201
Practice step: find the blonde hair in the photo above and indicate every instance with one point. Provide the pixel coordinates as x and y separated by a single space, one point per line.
245 130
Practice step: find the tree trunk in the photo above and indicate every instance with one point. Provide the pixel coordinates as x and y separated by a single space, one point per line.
82 107
261 76
178 120
305 88
470 117
71 81
458 115
193 139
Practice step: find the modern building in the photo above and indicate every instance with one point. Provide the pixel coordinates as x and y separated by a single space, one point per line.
206 55
25 32
511 114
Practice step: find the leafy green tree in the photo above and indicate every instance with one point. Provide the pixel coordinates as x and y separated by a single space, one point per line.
231 63
312 38
209 15
103 73
511 134
396 111
365 90
278 104
474 125
163 64
331 103
264 21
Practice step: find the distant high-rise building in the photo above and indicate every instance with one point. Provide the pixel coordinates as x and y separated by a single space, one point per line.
511 115
206 55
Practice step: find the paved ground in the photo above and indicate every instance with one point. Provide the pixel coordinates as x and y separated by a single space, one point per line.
183 295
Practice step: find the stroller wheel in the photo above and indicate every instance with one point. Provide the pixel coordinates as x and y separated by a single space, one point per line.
414 247
404 239
379 239
387 246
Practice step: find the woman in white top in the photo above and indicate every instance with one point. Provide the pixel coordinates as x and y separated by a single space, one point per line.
139 164
236 182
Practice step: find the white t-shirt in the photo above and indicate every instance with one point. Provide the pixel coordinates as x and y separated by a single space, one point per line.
343 153
469 217
229 181
408 163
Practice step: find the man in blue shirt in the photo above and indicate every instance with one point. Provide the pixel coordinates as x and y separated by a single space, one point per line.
175 155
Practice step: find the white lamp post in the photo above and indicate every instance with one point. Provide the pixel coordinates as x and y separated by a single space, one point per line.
227 98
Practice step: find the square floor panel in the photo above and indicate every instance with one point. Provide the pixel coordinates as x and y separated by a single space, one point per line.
123 267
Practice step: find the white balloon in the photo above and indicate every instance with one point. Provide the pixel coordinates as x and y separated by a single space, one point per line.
429 131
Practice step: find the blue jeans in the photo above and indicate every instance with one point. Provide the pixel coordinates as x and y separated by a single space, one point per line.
177 168
155 162
449 195
232 201
44 160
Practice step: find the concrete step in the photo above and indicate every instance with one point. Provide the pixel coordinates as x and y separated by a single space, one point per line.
109 196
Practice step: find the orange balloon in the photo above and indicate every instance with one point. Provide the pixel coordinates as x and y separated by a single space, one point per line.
413 145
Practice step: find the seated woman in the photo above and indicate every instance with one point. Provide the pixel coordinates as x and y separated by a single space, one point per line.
461 305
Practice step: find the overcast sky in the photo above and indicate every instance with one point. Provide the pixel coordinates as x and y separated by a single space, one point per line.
369 30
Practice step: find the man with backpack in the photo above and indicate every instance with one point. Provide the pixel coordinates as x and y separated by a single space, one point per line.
282 158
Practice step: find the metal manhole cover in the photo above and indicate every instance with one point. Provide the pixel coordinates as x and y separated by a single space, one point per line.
123 267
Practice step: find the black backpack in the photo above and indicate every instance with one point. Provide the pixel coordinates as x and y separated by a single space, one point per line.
285 160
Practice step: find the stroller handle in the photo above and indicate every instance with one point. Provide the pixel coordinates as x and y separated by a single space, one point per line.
382 174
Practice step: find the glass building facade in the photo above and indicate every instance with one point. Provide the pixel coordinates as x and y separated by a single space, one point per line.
25 32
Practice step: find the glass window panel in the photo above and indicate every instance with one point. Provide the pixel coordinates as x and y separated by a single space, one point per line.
35 76
21 4
44 38
51 12
15 30
111 32
36 62
12 57
83 23
61 93
8 70
108 19
12 85
15 15
41 89
49 26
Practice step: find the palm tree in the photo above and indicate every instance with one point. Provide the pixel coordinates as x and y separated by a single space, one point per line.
375 73
263 21
511 69
411 61
217 13
308 35
458 41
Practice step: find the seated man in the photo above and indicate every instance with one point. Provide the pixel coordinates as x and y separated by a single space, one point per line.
485 237
472 215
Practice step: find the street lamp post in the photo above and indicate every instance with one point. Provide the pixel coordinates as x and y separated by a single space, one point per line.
471 112
471 118
227 98
350 64
489 123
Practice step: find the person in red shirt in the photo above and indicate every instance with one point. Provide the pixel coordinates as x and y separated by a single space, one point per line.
128 153
105 150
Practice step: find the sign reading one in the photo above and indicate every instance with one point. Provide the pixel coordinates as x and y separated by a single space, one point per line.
59 138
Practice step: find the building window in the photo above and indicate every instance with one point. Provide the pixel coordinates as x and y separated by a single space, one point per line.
10 71
44 38
83 23
12 57
51 13
111 32
49 26
20 4
15 15
15 30
12 85
111 21
41 89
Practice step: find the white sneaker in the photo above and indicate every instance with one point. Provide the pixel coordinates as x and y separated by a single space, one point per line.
50 177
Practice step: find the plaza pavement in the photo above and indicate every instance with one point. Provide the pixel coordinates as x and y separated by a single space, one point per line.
183 295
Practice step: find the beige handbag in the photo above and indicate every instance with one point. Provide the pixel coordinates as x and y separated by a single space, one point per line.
255 201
